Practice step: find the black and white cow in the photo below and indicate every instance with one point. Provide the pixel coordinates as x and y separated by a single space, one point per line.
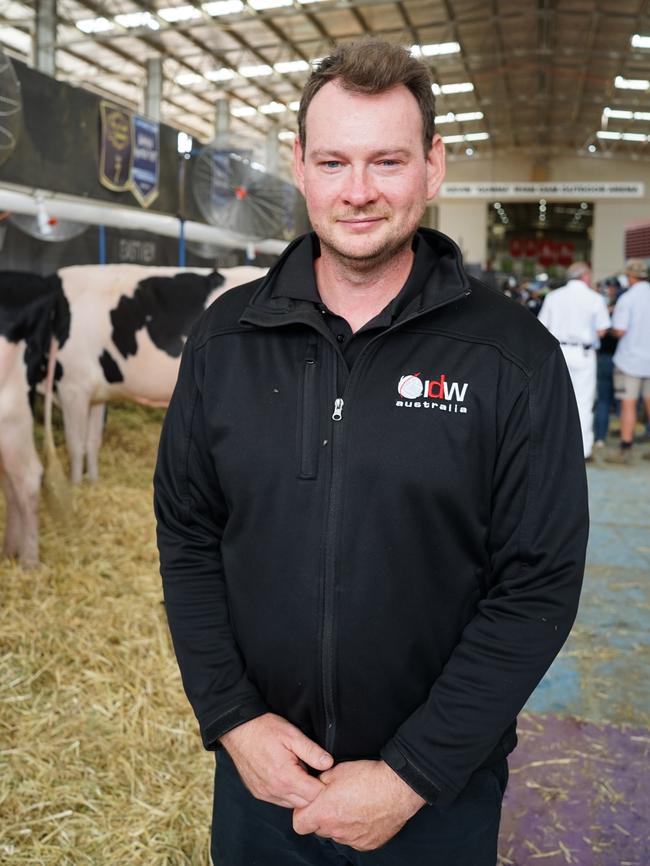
128 325
33 310
119 332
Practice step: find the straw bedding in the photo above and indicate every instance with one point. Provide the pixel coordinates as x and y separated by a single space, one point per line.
100 759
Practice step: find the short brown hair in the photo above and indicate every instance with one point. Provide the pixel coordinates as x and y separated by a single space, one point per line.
373 66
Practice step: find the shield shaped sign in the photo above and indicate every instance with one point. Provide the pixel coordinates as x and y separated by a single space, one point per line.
145 166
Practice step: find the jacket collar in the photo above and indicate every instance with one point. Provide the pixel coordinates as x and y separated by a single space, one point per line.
270 305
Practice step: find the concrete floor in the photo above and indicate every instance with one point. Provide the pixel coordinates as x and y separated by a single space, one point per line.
579 789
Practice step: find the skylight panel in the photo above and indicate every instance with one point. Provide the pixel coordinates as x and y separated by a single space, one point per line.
243 111
631 83
471 136
272 108
137 19
223 7
255 71
223 74
172 14
639 41
618 114
94 25
435 49
269 4
187 78
459 87
292 66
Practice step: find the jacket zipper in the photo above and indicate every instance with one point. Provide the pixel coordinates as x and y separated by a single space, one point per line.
329 578
337 414
331 536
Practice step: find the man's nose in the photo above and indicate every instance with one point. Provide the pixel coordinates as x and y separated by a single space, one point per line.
360 189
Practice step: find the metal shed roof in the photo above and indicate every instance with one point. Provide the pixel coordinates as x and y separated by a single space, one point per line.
545 76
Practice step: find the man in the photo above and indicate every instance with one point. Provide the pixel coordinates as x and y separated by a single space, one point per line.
605 368
631 323
371 510
577 316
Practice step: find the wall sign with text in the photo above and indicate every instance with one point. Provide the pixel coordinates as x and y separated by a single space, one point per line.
524 190
129 156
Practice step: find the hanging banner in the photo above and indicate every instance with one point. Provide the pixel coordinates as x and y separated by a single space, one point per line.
145 163
116 147
548 253
531 248
566 253
516 247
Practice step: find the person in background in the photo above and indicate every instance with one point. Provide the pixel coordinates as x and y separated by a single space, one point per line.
605 388
510 288
371 509
631 324
577 317
535 300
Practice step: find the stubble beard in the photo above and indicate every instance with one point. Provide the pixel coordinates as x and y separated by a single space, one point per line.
370 259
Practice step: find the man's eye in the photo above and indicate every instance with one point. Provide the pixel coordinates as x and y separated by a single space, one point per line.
332 163
389 162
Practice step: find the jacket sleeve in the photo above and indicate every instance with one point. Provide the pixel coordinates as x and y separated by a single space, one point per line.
191 515
536 545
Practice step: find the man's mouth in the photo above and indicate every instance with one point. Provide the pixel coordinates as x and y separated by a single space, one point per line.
361 222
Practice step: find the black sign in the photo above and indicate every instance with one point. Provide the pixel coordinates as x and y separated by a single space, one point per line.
116 147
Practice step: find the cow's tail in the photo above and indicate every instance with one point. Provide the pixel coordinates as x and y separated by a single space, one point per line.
57 489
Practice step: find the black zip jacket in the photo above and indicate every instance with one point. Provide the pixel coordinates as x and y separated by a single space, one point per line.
389 557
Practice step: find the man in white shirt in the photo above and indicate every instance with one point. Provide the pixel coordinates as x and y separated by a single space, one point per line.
577 317
631 322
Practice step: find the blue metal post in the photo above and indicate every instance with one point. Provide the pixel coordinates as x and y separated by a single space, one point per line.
181 243
102 245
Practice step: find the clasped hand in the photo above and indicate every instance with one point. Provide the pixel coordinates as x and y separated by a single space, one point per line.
362 804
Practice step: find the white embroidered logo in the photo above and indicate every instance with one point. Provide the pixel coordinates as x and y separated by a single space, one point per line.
416 393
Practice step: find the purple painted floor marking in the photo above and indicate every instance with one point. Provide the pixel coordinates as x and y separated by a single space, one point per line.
579 793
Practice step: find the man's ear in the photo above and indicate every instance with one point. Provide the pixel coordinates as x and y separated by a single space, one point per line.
435 166
298 165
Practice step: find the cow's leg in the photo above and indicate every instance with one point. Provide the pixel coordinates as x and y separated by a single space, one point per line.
76 406
24 473
13 523
94 439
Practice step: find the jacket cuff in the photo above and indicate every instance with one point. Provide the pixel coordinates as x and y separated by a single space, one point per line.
413 777
231 719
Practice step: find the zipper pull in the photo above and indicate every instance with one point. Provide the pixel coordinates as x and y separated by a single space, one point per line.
338 409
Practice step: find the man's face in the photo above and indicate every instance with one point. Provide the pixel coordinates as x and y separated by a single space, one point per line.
365 177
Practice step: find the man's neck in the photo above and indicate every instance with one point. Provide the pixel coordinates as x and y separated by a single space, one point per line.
358 292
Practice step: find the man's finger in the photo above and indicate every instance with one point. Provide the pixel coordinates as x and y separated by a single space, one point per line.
310 752
301 784
303 824
294 801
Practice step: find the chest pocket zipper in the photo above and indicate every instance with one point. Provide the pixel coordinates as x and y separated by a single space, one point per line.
308 420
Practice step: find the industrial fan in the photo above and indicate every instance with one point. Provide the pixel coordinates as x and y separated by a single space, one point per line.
222 256
10 107
44 227
234 192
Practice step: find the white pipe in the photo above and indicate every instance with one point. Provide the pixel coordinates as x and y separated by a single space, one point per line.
94 212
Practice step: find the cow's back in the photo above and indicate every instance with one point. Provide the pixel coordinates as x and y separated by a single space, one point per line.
130 322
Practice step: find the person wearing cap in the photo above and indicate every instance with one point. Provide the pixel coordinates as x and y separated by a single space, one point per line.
631 323
577 317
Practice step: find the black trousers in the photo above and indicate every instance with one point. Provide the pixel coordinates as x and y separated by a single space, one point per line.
249 832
